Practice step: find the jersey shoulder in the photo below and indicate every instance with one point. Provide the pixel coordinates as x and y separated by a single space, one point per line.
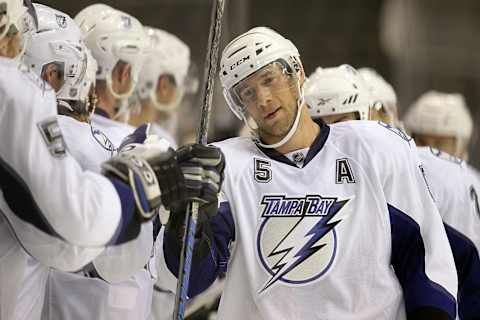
238 152
441 160
371 138
237 147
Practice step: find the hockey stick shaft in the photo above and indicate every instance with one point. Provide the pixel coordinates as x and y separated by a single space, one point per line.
191 218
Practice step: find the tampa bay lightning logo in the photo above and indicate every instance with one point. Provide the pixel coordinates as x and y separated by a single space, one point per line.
297 241
103 140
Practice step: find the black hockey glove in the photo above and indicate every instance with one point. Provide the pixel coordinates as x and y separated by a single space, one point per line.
152 172
202 167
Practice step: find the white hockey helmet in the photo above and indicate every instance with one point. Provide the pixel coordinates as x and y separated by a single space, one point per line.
380 89
58 40
17 16
166 55
337 90
113 36
250 52
441 114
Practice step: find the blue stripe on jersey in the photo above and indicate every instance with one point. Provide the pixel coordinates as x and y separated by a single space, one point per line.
137 136
206 271
408 261
20 199
315 148
468 270
128 228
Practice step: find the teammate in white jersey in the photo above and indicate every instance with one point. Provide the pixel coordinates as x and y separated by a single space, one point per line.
452 198
317 221
46 196
70 69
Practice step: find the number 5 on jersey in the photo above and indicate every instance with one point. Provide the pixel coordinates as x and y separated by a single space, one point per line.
262 172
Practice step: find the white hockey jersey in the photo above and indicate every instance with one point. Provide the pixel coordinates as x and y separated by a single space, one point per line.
45 196
353 234
122 288
453 188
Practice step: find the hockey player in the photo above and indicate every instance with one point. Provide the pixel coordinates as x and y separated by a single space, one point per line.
58 55
442 121
45 195
162 82
452 198
118 43
314 216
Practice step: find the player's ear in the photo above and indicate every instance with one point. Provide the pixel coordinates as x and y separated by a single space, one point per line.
52 76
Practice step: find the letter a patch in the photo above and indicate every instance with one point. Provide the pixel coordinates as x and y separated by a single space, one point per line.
344 173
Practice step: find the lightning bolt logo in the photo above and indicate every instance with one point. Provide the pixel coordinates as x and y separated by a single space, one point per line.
297 245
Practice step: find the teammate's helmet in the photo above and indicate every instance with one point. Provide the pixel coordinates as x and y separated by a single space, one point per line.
113 36
441 114
337 90
380 89
166 55
59 41
17 16
249 53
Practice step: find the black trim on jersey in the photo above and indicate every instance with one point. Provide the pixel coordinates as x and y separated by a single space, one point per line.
101 112
20 200
315 148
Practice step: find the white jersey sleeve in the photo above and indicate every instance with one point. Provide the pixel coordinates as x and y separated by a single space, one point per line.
41 184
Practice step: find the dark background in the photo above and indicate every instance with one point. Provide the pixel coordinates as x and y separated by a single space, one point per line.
417 45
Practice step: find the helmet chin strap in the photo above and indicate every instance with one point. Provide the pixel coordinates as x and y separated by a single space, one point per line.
167 107
121 96
293 128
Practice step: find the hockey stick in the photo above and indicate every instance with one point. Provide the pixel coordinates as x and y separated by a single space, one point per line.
192 214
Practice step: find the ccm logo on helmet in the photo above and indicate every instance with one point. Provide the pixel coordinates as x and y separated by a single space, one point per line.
239 62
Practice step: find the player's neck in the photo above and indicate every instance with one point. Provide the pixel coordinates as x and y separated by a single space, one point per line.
107 102
304 136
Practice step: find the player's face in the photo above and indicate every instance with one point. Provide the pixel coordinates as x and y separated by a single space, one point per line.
445 144
334 118
121 78
166 91
270 98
